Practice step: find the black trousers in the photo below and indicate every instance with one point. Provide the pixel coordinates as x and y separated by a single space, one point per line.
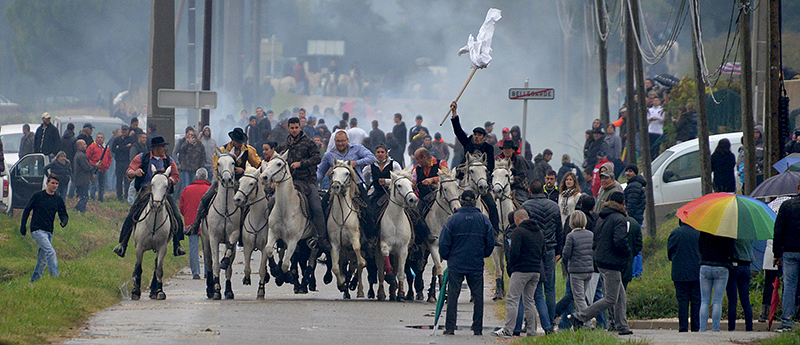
122 182
685 293
475 283
739 284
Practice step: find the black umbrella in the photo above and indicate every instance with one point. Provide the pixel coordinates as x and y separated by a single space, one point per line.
781 184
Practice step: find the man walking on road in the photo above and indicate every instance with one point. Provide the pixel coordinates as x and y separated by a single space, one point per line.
190 200
466 239
45 204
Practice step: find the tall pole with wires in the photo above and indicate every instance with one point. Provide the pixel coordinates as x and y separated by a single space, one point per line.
700 101
630 107
747 99
602 53
772 128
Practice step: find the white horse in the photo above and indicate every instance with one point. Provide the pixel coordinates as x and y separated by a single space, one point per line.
152 232
288 221
221 226
446 203
502 179
252 197
396 232
344 229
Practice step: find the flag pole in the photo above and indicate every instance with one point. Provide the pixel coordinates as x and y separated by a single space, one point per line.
460 93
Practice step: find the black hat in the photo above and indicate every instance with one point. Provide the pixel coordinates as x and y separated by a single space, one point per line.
157 141
479 130
468 196
510 144
633 167
237 135
488 123
88 125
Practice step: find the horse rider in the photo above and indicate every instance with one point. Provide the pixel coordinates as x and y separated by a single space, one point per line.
426 179
359 157
477 143
379 176
519 170
303 158
244 154
140 172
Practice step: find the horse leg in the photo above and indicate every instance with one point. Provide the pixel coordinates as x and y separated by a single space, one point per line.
380 272
154 281
215 268
136 292
345 267
229 275
497 257
248 254
419 280
264 276
410 276
359 277
337 267
401 262
288 255
160 272
435 273
207 266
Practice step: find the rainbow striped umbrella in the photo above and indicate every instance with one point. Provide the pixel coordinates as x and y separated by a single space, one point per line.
730 215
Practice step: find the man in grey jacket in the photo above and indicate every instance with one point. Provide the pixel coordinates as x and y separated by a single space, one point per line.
84 173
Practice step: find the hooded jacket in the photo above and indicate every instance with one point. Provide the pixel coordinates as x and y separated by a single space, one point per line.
611 243
604 193
527 248
635 199
787 233
68 144
540 167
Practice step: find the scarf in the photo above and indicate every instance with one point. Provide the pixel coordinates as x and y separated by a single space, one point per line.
566 194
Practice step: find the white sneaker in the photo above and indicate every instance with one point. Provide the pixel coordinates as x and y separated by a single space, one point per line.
501 333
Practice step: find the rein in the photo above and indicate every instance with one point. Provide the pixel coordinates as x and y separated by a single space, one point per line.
395 192
247 195
503 195
440 192
284 170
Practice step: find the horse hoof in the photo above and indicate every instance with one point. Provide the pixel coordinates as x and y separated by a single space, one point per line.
228 294
246 280
371 294
135 297
497 296
153 295
420 297
279 280
401 298
353 285
312 284
223 264
328 278
217 296
260 294
381 295
161 296
342 288
346 294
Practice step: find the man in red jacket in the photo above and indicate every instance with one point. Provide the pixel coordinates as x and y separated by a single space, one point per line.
190 200
100 156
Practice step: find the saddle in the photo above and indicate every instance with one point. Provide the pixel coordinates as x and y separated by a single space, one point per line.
141 202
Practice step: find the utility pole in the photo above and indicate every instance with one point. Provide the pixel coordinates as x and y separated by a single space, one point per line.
747 99
647 171
256 50
702 115
772 137
630 106
602 53
162 66
191 114
209 5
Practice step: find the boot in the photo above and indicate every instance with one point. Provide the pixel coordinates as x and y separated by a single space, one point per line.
177 250
499 292
764 313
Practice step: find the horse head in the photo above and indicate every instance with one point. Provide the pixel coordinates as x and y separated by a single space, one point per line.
342 177
225 171
159 185
402 190
277 169
448 189
477 173
502 177
248 186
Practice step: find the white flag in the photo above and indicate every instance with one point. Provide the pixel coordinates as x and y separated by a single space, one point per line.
479 50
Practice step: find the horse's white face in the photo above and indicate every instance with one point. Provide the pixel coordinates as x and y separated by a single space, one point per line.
340 177
248 185
276 170
402 188
502 178
159 185
225 168
448 189
477 173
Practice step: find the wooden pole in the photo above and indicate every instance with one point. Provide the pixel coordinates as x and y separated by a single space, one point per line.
632 111
205 113
772 136
702 117
602 53
747 100
474 69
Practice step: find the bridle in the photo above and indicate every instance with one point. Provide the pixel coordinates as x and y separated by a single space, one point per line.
247 195
341 196
154 205
395 192
440 192
503 186
468 177
284 171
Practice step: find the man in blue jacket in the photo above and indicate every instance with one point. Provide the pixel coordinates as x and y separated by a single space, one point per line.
466 235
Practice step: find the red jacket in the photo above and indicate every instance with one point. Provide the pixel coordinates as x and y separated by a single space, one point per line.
94 152
190 200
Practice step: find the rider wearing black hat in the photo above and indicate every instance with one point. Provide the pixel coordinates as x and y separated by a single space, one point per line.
519 169
245 153
140 172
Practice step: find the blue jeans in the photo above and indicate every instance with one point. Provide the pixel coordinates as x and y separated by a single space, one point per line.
194 253
47 254
186 178
712 278
791 266
541 308
98 186
550 283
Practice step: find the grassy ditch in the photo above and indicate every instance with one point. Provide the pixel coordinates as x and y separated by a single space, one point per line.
578 337
91 274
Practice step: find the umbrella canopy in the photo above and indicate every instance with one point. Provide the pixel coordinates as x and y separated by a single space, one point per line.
729 215
788 163
778 185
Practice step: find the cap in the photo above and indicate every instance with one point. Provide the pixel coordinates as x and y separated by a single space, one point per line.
488 123
607 173
88 125
468 196
419 116
124 127
506 130
479 130
45 115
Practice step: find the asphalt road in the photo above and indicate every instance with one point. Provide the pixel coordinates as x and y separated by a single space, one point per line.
282 318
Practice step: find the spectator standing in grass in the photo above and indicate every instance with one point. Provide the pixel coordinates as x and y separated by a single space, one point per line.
45 204
26 142
61 167
83 171
578 255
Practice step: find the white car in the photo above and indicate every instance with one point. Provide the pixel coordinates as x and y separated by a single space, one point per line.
10 135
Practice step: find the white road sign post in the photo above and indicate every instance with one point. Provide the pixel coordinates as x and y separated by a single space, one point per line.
525 94
187 99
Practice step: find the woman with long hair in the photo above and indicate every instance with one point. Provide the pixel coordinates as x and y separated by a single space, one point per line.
570 193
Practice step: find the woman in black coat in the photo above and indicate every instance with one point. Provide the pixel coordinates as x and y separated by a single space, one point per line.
722 163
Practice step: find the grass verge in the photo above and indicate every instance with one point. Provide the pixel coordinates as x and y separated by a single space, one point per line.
790 338
91 275
578 337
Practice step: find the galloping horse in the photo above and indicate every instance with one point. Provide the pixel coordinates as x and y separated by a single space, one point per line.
252 197
288 220
343 226
221 226
502 179
396 232
152 232
445 204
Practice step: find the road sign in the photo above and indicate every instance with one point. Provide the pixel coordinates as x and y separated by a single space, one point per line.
187 99
531 93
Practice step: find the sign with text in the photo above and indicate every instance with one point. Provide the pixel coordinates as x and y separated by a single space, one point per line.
187 99
531 93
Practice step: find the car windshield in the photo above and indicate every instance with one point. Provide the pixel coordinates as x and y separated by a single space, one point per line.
11 142
660 160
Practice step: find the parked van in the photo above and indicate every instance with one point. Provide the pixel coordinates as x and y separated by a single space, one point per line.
676 171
